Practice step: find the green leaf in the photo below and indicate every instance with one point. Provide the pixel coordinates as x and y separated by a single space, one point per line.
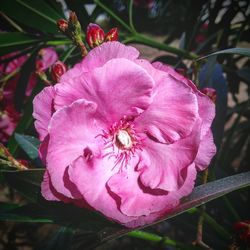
238 51
61 240
26 182
29 144
13 41
36 14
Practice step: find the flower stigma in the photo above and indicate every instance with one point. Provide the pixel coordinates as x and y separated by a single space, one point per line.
121 141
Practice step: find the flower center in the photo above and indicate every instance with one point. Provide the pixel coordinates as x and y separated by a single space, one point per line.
123 140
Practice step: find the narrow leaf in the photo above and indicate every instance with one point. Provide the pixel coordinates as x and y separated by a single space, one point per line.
237 51
29 144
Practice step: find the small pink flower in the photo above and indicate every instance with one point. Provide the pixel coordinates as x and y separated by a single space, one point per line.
123 136
47 57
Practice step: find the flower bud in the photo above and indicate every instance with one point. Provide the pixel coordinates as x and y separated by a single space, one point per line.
62 25
95 35
112 35
210 92
57 70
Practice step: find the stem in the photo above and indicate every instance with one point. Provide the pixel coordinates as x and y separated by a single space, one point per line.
165 241
136 37
151 42
13 73
131 16
212 222
199 240
111 13
67 54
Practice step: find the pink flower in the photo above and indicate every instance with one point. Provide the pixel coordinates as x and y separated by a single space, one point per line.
123 136
9 117
48 57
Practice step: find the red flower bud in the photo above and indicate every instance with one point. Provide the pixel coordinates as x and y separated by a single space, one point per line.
112 35
210 92
57 70
62 25
95 35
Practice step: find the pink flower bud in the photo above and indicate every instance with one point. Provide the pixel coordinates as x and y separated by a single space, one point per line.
57 70
210 92
112 35
62 25
95 35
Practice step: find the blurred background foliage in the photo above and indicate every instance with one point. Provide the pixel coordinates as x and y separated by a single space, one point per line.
173 32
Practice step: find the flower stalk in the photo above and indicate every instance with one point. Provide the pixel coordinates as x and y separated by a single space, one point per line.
7 159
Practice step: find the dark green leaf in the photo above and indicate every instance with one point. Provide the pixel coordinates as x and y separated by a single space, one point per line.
15 41
61 240
238 51
29 144
36 14
26 182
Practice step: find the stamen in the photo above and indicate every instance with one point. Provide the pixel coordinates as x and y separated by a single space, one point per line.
121 141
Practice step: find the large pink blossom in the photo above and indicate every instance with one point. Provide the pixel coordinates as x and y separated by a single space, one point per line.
123 136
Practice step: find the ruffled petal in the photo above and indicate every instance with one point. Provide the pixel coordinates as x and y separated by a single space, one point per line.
172 199
120 87
98 56
97 193
136 199
162 164
72 129
43 110
206 108
173 112
206 152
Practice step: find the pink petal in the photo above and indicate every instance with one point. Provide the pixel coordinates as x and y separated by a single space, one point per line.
96 193
137 200
162 164
120 87
172 198
108 51
206 152
173 112
43 110
98 56
48 58
47 190
206 106
71 130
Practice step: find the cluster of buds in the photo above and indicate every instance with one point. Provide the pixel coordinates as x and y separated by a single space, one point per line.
95 35
211 93
72 29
